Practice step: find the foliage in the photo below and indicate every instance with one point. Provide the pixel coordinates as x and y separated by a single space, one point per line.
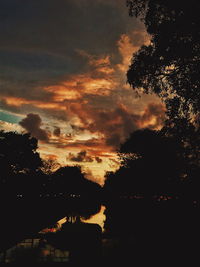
152 166
170 68
71 180
153 163
170 65
18 154
49 166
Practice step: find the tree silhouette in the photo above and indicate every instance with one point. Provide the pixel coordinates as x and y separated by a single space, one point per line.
18 153
18 160
71 180
169 65
151 164
82 240
49 166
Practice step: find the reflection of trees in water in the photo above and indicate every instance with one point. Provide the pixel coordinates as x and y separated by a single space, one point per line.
71 236
82 240
83 208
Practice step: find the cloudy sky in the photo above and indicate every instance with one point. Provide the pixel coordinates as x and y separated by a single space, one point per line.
63 70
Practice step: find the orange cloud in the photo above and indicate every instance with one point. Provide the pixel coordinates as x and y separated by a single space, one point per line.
78 85
127 47
153 117
10 127
18 102
99 110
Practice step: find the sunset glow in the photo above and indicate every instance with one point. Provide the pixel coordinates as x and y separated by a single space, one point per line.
76 92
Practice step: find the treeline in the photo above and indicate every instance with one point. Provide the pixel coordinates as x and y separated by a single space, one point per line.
165 162
23 174
155 164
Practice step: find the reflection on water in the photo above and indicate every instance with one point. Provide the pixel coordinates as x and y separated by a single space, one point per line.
123 232
98 218
38 248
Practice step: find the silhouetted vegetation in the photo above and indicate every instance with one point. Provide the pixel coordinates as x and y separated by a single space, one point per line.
154 165
83 240
23 174
165 161
169 65
160 170
70 180
38 192
152 200
150 165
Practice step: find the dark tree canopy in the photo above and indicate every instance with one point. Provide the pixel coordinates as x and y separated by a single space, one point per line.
151 164
71 179
170 65
23 173
18 154
20 165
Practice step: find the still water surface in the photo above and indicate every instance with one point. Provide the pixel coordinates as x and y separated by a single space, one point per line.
36 248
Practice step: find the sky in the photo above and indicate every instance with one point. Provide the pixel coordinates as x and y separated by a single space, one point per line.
63 67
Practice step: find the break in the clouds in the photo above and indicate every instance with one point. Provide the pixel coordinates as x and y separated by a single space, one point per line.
9 127
63 70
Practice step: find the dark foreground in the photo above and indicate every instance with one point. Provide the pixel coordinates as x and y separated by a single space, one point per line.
137 232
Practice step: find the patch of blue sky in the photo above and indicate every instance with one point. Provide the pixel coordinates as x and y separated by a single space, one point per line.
9 117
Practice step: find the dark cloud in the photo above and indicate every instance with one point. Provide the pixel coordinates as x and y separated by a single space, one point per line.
80 157
83 156
115 124
26 73
66 61
98 160
118 124
47 24
40 40
57 131
32 124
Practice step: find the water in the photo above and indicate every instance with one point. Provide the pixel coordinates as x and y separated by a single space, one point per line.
127 231
38 249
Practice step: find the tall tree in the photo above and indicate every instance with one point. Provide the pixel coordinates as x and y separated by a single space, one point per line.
18 153
150 165
19 162
170 67
71 180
